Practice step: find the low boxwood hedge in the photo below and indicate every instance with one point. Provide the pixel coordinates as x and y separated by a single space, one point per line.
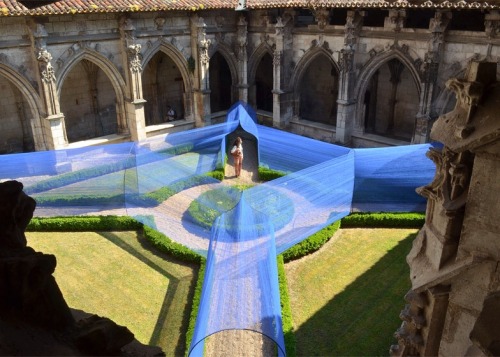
384 220
267 174
83 224
311 244
286 310
195 305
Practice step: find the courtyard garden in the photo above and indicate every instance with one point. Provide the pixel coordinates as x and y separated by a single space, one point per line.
343 295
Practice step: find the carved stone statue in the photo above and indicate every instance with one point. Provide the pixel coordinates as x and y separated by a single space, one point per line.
34 317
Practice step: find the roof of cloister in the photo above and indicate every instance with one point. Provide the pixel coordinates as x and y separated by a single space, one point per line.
16 7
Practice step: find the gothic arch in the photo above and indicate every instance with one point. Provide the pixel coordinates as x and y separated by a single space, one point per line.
255 58
302 102
34 102
176 56
171 51
229 56
304 63
111 72
215 96
372 66
99 60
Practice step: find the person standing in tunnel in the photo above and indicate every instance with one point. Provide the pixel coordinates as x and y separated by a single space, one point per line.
237 152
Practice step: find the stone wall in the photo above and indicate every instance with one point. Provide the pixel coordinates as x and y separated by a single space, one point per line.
454 304
122 47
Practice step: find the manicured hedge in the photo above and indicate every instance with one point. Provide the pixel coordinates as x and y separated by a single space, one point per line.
383 220
83 224
113 223
196 304
166 245
311 244
267 174
286 310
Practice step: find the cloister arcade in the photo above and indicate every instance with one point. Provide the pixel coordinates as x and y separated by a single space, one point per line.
363 81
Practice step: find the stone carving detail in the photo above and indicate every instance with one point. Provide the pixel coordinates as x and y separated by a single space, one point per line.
160 22
47 71
409 334
468 96
430 66
266 19
32 301
127 27
16 210
354 23
134 52
279 26
396 20
454 258
242 39
277 58
346 60
492 24
451 181
322 17
203 43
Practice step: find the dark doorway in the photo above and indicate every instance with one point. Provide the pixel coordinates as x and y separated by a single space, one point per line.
163 88
319 91
264 83
220 83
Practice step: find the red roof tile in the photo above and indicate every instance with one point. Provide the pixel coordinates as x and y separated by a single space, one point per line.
15 8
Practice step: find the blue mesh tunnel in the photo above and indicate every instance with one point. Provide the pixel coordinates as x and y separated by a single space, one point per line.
157 181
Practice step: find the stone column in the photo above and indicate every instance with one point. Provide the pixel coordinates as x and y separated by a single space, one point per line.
199 47
135 102
241 53
346 103
53 126
282 108
429 71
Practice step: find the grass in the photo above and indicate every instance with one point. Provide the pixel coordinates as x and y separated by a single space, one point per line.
346 298
118 275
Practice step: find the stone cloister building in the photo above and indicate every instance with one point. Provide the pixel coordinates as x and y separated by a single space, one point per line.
372 73
358 74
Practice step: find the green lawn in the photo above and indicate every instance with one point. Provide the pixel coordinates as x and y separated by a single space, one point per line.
118 275
346 298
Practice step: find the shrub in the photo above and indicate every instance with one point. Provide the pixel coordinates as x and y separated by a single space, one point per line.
83 224
166 245
382 220
267 174
196 304
311 244
286 311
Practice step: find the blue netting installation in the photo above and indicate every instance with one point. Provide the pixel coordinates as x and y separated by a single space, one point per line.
240 289
166 183
386 178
